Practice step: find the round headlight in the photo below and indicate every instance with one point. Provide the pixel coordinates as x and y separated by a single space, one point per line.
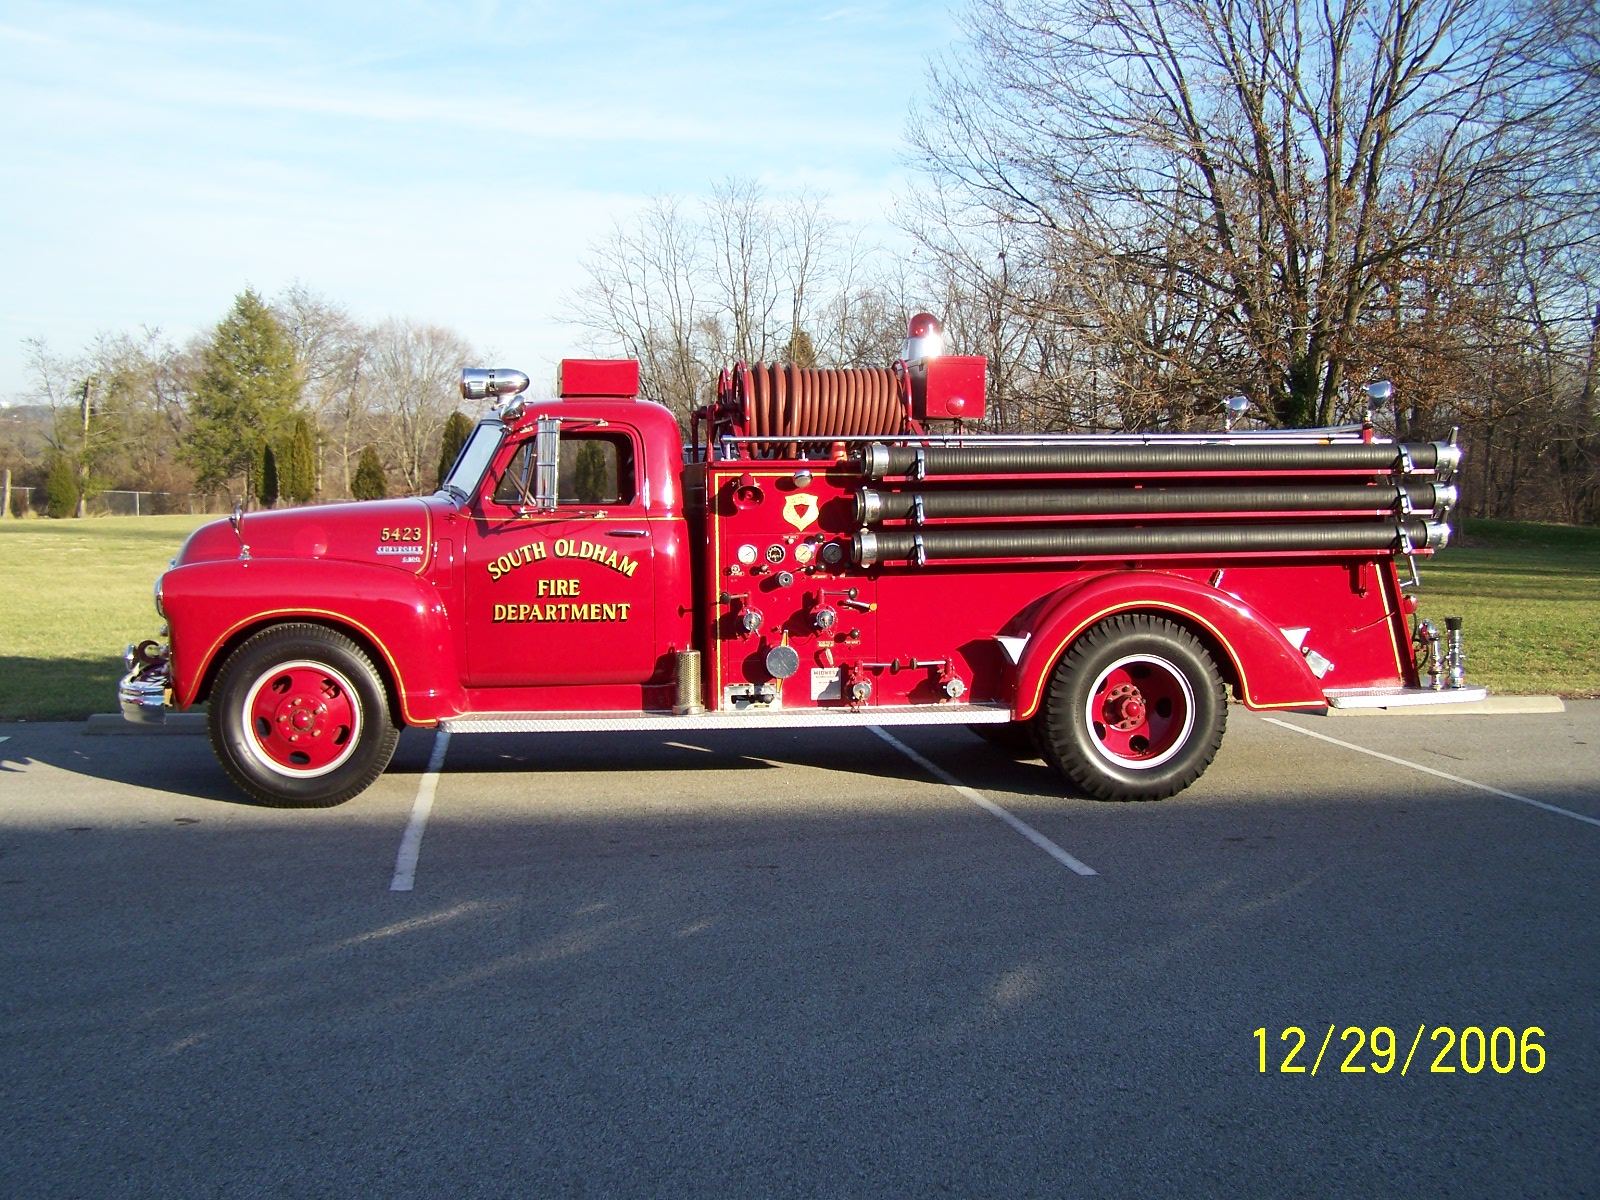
160 612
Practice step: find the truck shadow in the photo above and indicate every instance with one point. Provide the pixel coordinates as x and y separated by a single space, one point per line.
185 766
845 753
53 689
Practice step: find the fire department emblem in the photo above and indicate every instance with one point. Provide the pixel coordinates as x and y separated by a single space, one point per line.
800 510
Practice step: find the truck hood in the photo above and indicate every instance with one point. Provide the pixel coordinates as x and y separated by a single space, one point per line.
390 533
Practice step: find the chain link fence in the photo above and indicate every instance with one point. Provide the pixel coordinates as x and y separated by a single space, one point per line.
121 502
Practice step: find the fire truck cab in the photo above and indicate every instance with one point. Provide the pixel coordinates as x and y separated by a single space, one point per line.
833 548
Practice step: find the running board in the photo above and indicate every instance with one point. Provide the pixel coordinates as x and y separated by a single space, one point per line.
1402 697
768 718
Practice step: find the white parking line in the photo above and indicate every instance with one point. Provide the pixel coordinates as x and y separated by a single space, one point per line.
405 865
988 805
1400 762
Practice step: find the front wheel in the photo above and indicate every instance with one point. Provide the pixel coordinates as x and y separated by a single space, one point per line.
1135 709
299 718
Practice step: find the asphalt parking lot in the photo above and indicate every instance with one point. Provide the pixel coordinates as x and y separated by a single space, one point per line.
802 964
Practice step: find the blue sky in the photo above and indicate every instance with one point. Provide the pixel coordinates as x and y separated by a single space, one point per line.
443 161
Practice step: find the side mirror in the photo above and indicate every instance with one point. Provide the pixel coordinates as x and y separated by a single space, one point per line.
1234 407
546 463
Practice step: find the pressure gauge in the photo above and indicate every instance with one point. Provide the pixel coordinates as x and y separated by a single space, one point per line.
747 554
775 553
804 553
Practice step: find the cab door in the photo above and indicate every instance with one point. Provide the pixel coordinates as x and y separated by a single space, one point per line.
568 596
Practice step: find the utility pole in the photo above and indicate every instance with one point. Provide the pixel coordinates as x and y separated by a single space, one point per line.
83 462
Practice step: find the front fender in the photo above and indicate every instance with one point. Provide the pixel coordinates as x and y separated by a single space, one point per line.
1271 672
401 615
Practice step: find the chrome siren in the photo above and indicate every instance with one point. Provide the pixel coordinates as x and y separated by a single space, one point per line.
480 383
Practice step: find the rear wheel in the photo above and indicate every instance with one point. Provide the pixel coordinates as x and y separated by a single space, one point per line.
1135 709
299 718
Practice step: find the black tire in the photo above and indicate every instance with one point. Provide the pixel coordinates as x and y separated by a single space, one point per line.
275 700
1128 665
1014 738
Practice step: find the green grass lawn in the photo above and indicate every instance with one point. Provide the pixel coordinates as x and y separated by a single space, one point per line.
1529 596
78 593
81 591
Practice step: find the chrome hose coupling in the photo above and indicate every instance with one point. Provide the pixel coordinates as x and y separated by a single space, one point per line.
1427 634
1456 653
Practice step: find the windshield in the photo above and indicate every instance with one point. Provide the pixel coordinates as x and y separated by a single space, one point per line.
474 460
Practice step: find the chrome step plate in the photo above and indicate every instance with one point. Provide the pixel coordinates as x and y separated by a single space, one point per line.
1402 697
777 718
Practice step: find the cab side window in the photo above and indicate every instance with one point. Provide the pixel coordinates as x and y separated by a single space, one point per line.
596 469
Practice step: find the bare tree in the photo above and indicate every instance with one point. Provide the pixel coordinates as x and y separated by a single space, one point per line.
741 277
117 410
415 373
1242 177
642 298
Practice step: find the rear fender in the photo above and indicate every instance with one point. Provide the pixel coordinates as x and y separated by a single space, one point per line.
213 605
1270 671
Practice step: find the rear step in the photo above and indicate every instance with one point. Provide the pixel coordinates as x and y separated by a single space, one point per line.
1402 697
763 718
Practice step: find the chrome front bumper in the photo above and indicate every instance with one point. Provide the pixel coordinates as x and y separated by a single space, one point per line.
143 692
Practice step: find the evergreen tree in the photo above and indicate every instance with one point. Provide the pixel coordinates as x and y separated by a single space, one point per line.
61 488
370 482
591 480
801 351
457 429
248 389
298 478
267 477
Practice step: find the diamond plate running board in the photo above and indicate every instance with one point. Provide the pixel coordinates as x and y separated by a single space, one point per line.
780 718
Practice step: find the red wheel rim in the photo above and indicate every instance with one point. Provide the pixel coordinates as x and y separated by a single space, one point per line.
1140 712
301 719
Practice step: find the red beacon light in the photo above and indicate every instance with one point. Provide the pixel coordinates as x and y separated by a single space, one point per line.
924 339
943 387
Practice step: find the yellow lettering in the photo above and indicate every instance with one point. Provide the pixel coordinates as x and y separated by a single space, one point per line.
608 612
622 610
538 551
499 612
611 561
629 570
494 570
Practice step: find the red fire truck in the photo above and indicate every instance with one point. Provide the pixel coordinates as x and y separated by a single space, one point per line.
833 548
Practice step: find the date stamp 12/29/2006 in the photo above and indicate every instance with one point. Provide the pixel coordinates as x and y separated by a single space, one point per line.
1501 1049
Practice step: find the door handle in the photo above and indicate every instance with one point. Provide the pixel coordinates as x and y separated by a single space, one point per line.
627 533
